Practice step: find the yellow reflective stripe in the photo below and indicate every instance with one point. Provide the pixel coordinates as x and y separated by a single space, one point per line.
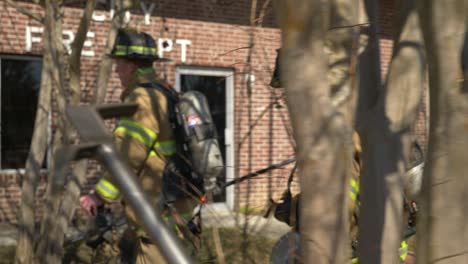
403 250
146 136
133 134
167 147
354 190
144 71
122 50
137 131
107 190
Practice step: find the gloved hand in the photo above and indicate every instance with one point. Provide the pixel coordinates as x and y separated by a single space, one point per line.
90 202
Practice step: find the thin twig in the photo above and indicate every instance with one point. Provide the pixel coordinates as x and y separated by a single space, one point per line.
224 54
350 26
263 13
256 122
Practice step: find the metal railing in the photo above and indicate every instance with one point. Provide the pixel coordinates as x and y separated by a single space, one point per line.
97 143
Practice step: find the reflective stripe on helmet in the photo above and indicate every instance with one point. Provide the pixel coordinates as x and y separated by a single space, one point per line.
354 193
133 44
146 136
107 190
123 50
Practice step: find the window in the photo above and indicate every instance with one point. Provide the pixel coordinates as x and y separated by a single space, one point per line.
19 85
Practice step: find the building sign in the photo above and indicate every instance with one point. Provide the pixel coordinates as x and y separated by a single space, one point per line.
165 45
146 8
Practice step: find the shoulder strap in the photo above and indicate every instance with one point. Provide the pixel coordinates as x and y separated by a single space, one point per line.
171 95
172 98
165 89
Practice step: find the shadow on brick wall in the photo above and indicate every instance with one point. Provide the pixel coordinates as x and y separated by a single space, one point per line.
10 193
218 11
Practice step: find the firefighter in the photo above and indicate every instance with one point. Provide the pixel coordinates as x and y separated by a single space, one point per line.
288 212
146 139
406 250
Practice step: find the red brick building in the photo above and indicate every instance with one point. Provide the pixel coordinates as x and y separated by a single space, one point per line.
212 47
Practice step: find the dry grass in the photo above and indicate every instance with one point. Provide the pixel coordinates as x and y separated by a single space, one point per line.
237 247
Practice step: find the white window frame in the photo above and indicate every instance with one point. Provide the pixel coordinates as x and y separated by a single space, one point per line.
49 128
228 132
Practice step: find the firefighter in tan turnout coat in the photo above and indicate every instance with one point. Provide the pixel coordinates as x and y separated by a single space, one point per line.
145 139
291 215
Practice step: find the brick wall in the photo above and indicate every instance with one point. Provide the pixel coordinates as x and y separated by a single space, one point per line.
220 35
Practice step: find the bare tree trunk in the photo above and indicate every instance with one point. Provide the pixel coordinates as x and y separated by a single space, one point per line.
404 89
55 222
55 69
370 82
74 185
77 47
388 140
54 52
341 47
442 226
372 189
105 67
370 86
53 27
26 231
465 63
321 135
62 209
244 244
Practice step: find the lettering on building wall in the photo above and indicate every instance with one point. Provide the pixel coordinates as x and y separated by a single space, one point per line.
165 45
146 8
33 36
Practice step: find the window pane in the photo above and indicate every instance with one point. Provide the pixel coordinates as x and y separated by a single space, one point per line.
214 88
20 86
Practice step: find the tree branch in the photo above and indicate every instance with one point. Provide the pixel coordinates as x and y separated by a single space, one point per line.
77 47
230 51
25 11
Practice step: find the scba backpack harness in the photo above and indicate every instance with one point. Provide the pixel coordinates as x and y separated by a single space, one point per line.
197 164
